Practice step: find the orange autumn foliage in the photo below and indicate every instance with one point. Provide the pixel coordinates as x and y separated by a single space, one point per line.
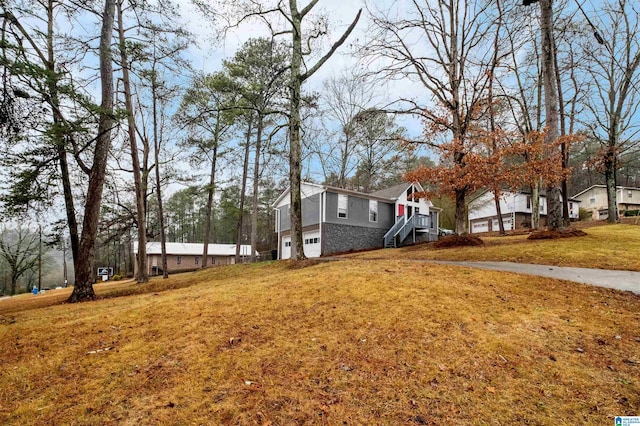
493 160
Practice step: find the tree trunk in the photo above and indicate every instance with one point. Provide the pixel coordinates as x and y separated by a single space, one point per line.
243 190
14 285
210 193
563 132
295 151
535 205
554 205
256 187
58 121
610 180
156 153
496 200
85 276
461 226
142 274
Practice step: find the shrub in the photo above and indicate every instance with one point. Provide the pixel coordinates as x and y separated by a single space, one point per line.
552 235
632 213
583 214
458 241
116 277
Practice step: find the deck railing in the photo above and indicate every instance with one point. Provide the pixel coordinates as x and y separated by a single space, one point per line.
404 227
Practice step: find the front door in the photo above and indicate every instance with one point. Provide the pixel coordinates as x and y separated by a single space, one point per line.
400 209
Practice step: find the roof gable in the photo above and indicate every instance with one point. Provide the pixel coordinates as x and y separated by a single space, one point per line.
393 192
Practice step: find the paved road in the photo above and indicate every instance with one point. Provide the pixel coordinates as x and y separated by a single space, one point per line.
621 280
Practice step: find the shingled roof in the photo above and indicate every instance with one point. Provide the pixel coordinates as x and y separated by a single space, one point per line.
393 192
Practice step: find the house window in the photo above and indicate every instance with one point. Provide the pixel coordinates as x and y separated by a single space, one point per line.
179 260
373 211
432 217
528 202
343 201
409 192
592 200
197 259
287 243
629 194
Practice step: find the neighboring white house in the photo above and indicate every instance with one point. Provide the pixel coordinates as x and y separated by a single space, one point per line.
336 220
594 199
515 208
188 256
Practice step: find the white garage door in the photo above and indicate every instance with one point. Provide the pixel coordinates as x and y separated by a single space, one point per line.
311 242
285 253
480 227
508 226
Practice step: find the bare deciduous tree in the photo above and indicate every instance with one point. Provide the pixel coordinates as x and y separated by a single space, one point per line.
450 62
615 68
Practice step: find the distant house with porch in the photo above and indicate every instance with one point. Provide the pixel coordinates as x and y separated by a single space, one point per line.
183 257
515 208
336 220
594 199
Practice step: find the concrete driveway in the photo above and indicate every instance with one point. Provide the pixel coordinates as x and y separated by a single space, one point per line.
620 280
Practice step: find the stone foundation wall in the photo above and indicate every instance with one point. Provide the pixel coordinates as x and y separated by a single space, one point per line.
338 238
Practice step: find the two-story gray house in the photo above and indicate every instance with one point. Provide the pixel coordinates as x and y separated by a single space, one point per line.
336 220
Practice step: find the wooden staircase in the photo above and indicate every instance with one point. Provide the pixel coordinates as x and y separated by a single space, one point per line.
403 227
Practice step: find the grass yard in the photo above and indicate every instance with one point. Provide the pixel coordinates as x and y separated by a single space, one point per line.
605 247
347 342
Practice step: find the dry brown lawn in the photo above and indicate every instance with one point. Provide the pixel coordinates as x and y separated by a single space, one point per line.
347 342
604 247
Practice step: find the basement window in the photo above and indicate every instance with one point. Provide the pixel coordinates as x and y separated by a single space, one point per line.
343 202
179 260
197 259
373 211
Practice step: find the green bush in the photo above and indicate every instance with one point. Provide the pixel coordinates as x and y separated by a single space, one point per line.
632 213
584 214
116 277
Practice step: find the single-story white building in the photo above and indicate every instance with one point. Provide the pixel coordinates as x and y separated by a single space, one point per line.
188 256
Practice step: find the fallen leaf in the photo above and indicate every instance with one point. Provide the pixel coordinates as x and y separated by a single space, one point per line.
491 389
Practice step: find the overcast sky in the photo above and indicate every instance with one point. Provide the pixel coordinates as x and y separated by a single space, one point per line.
208 57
